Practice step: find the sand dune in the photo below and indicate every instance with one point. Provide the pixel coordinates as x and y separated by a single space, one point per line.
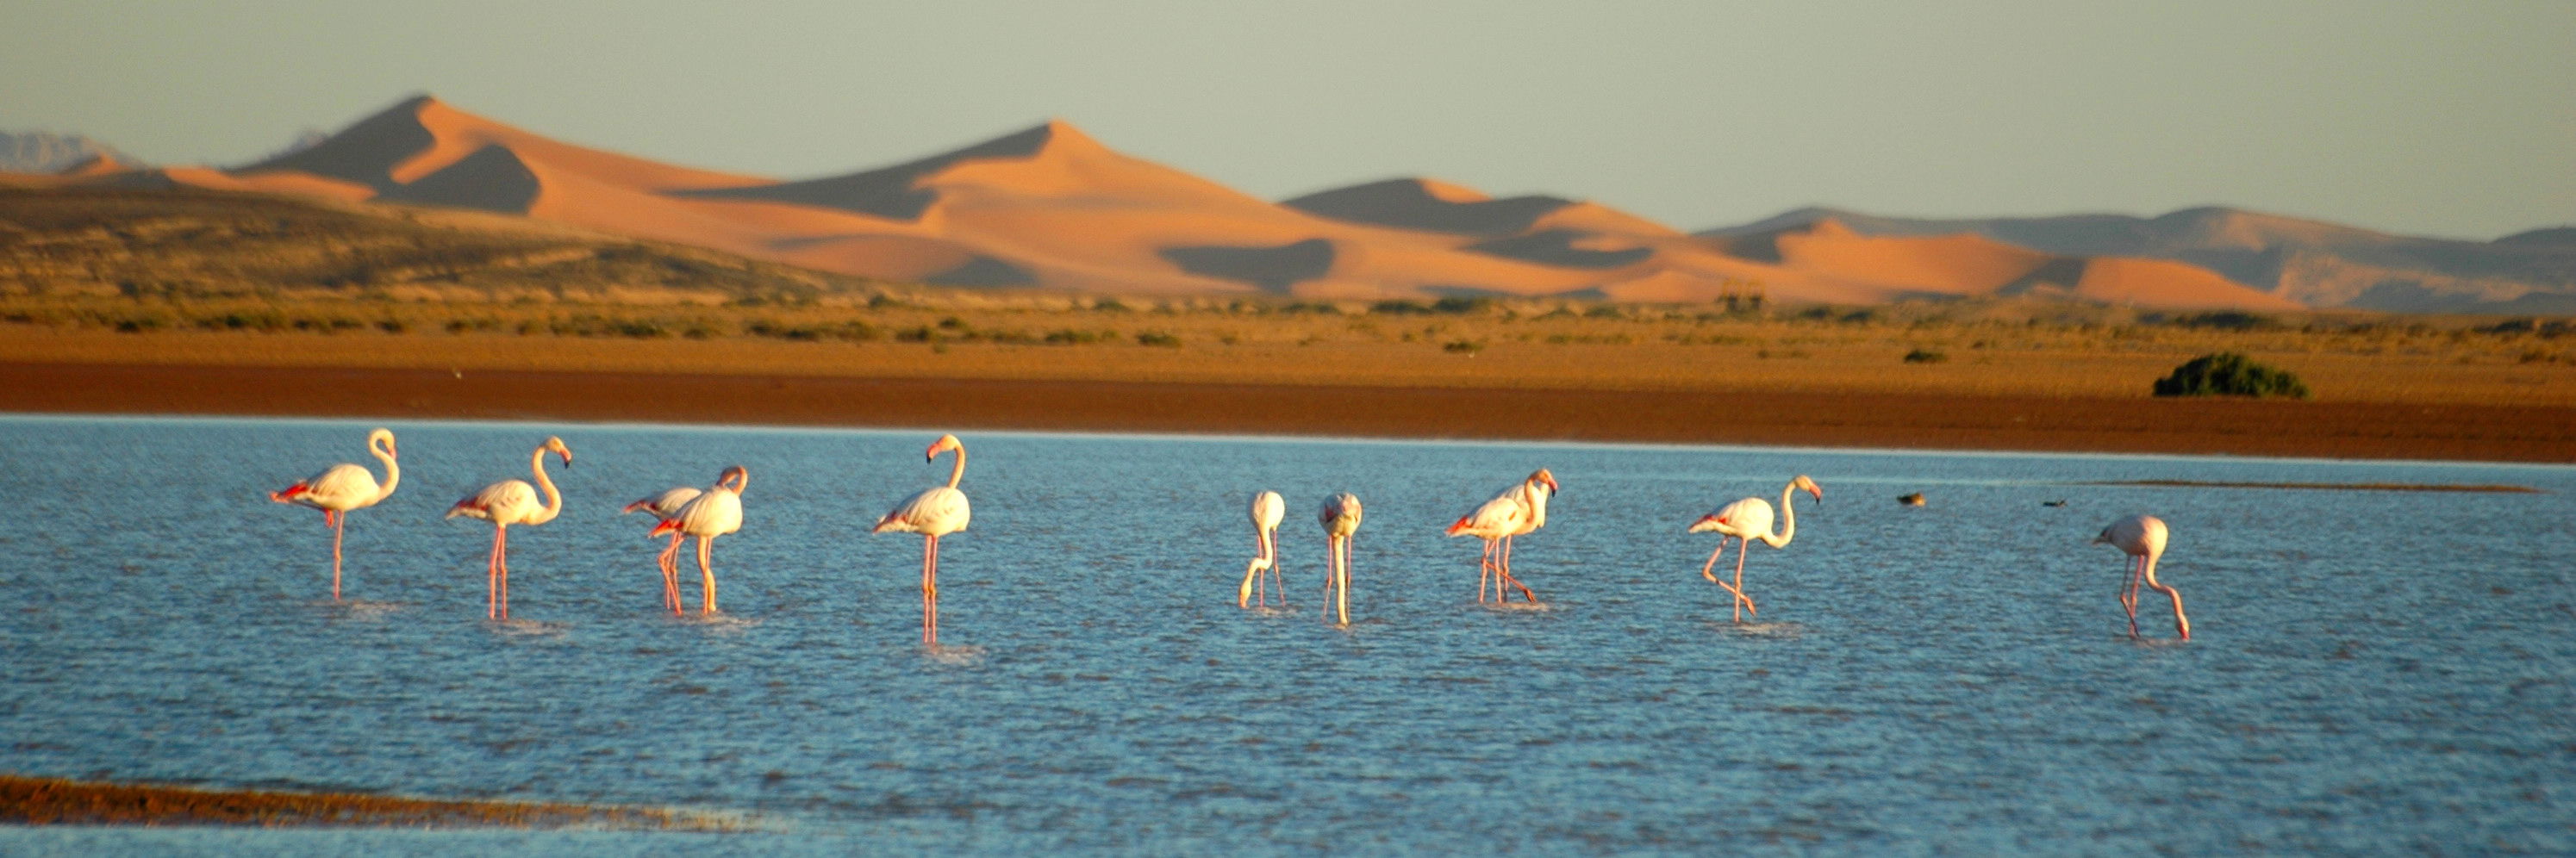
1050 207
2308 262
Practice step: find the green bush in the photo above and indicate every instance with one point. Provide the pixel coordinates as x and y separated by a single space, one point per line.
1926 356
2229 374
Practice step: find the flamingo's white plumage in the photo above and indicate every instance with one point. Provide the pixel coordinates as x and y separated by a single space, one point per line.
1747 520
344 487
713 513
1268 509
2142 537
663 506
510 502
1340 516
934 512
1517 510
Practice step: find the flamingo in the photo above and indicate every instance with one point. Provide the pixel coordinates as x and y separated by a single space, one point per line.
663 506
713 513
344 487
1746 520
1340 517
1518 510
1267 509
511 502
934 512
2142 537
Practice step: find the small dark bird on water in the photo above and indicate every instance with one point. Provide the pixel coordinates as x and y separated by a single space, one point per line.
2052 503
1915 499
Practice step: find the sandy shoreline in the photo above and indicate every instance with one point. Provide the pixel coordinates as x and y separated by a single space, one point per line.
2526 433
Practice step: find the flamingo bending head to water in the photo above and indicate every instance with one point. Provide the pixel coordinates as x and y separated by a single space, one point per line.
511 502
713 513
933 512
1747 520
1267 511
1340 516
344 487
2142 537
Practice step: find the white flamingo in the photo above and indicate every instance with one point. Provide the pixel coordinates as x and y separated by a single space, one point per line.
344 487
1340 517
713 513
1267 511
663 506
1747 520
1517 510
511 502
2142 537
935 512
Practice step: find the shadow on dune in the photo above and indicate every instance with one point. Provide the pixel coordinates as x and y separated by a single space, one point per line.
1271 268
1556 247
365 153
1410 204
491 179
887 192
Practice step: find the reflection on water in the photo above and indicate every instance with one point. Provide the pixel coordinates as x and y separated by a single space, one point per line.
2370 671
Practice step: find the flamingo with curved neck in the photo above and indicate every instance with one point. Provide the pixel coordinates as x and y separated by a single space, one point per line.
344 487
933 512
1747 520
511 502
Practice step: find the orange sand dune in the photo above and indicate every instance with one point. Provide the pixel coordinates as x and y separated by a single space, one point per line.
1050 207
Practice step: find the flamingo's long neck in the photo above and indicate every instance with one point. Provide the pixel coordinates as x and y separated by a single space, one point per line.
1788 520
393 473
958 472
554 499
1538 495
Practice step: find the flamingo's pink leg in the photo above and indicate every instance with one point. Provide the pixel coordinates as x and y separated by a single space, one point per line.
338 525
669 561
504 558
492 580
2129 593
1328 577
1743 548
930 591
1720 582
1508 578
707 593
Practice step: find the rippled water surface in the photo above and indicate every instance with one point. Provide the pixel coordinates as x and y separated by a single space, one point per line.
2369 671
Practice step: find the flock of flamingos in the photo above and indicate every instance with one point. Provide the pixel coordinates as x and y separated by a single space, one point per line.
942 510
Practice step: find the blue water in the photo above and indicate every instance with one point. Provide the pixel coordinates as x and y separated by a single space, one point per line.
2369 671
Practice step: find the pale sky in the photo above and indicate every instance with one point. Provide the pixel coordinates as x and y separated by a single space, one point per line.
2454 120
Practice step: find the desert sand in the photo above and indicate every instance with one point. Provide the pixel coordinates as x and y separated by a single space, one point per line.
1051 207
1792 418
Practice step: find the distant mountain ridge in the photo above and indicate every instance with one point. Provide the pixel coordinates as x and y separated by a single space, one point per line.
1049 207
46 152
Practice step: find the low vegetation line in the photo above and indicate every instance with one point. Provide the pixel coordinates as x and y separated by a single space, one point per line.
59 801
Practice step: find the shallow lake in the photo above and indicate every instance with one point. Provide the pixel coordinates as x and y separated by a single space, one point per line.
2369 670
